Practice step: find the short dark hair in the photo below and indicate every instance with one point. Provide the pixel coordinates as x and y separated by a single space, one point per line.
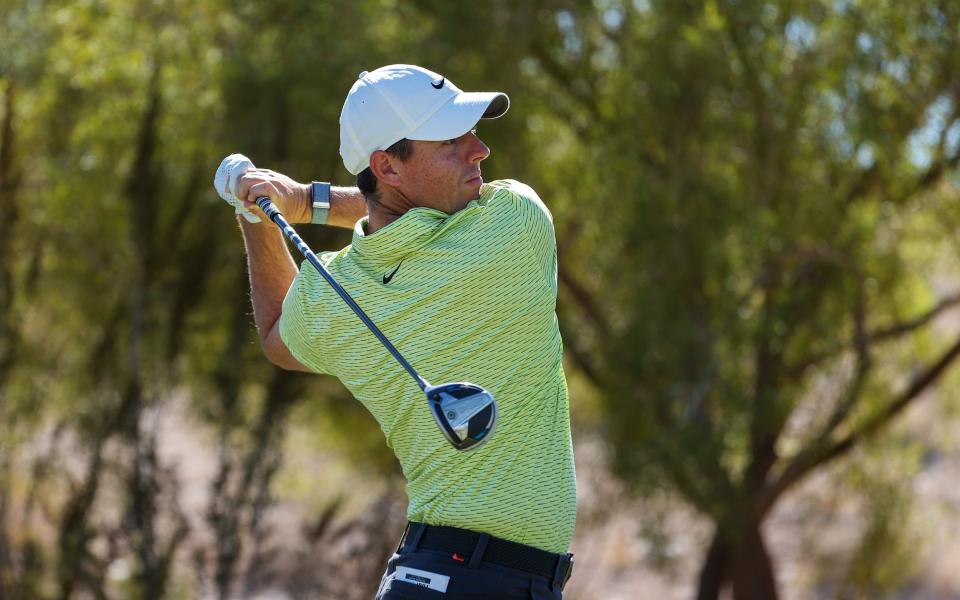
367 181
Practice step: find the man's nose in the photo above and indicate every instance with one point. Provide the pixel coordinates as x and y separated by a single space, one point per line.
477 149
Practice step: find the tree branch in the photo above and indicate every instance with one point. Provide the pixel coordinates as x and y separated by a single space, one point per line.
584 362
931 176
863 365
866 180
585 301
763 131
899 329
881 334
9 215
821 453
941 165
562 78
808 282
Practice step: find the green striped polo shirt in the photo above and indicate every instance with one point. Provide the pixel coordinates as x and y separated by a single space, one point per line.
464 297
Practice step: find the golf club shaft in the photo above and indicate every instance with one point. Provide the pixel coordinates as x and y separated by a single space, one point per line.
277 217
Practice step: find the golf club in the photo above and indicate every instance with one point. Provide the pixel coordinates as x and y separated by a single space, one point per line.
466 413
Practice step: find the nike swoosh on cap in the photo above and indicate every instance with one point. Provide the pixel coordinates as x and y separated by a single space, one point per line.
438 83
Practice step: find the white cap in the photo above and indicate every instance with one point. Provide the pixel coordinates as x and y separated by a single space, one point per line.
406 101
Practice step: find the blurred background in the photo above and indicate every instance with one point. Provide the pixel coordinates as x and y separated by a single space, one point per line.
757 216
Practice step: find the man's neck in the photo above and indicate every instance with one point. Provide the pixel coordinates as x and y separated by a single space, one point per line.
380 216
389 206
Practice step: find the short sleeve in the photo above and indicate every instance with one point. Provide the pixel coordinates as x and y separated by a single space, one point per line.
536 223
303 322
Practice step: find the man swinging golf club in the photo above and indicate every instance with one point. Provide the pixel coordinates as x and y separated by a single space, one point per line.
458 277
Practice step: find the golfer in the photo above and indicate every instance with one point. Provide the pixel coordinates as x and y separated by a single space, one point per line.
461 276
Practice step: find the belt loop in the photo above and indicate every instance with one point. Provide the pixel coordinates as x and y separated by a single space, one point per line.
561 572
416 534
403 538
478 551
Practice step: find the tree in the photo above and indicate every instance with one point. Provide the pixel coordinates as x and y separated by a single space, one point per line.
748 198
123 293
776 171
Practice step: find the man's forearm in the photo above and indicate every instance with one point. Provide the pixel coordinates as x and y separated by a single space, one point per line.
271 269
347 206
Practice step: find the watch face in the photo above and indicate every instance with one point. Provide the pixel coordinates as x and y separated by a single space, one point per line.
320 193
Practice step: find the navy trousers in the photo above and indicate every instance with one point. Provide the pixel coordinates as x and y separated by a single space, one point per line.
419 574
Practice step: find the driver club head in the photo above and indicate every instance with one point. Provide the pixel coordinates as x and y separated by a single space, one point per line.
466 413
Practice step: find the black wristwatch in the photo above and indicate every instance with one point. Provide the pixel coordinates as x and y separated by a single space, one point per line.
320 197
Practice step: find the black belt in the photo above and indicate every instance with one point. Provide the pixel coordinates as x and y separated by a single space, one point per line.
463 544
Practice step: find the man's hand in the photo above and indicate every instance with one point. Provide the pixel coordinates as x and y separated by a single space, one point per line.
292 198
240 184
225 182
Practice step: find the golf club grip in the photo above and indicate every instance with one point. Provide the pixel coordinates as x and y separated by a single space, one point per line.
276 216
269 208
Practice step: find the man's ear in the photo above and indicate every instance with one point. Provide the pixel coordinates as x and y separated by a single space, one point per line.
384 167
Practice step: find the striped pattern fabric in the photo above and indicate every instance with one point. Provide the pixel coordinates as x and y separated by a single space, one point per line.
472 298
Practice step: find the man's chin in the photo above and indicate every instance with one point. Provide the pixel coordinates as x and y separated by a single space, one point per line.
463 202
475 186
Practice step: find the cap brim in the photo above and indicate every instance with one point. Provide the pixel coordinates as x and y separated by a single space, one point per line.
460 115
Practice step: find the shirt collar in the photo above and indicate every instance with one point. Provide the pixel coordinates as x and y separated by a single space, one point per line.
395 240
410 232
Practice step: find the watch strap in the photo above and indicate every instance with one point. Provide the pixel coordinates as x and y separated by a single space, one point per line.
320 197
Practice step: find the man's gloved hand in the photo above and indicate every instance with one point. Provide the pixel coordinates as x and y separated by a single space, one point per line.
227 180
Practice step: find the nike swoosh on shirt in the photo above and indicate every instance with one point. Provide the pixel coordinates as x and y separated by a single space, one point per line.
387 278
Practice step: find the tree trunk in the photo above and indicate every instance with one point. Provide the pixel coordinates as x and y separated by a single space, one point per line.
9 215
742 562
752 569
714 573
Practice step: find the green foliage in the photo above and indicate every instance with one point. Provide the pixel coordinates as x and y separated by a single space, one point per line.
770 211
752 202
886 557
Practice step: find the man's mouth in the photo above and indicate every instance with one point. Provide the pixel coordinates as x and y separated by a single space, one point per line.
475 179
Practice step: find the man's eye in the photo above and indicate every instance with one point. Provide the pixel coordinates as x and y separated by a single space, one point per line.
450 142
